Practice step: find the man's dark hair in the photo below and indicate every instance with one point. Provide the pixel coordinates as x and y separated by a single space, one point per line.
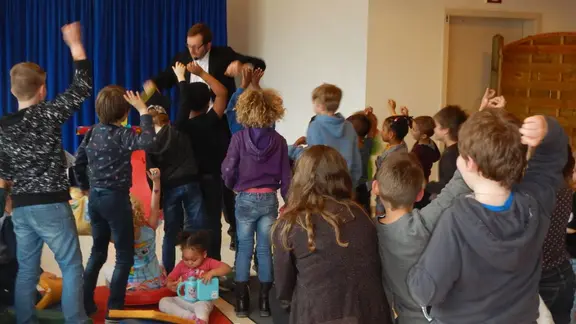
196 95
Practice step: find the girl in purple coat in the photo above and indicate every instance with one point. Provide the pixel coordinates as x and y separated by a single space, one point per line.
256 166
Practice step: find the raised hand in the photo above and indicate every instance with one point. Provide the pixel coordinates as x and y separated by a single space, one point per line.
533 130
135 101
300 141
246 77
404 111
234 69
72 34
179 70
497 102
488 95
154 174
392 103
194 68
258 74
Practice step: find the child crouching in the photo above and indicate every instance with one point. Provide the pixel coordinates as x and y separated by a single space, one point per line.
195 263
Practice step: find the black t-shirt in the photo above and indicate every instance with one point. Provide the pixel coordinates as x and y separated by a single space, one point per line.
209 138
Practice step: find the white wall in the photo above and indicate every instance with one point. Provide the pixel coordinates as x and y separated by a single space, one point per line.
304 43
406 39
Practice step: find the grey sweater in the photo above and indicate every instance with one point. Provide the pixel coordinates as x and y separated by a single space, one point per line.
401 244
483 263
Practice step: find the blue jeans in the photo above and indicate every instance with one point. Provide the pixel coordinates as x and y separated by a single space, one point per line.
54 225
111 219
557 291
186 198
255 212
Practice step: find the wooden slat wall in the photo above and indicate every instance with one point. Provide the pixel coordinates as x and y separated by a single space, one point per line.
539 77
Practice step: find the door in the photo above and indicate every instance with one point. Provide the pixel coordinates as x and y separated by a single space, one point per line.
470 55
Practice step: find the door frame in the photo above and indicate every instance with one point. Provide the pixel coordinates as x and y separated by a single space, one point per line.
535 18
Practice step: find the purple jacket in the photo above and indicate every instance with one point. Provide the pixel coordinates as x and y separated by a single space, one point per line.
257 158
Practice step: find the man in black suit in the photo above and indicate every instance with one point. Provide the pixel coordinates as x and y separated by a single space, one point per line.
223 63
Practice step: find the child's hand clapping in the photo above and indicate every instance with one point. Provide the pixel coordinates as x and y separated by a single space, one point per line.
136 102
195 69
533 130
179 69
258 74
154 174
246 77
207 277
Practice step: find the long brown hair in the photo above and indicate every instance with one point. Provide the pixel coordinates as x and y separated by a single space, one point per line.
321 175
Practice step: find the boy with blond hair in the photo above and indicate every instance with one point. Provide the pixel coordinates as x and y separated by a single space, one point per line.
31 156
328 127
483 261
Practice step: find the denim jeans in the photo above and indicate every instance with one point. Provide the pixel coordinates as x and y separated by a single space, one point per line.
186 198
255 213
54 225
111 219
212 193
557 290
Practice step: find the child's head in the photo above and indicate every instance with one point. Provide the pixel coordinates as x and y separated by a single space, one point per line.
259 108
568 172
490 148
399 181
326 98
159 115
111 107
196 95
194 247
448 121
423 128
361 124
321 175
395 128
28 82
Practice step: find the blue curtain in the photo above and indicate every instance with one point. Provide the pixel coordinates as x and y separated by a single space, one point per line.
128 42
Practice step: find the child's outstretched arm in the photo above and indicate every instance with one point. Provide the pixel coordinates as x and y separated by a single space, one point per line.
230 112
81 163
455 188
544 171
154 175
184 108
432 278
66 103
218 88
145 139
392 107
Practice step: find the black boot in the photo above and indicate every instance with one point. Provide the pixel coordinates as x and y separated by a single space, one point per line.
264 301
242 299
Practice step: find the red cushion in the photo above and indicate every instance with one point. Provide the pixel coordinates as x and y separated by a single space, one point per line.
135 298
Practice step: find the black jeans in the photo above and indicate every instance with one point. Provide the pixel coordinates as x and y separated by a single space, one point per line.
229 204
211 186
557 290
111 219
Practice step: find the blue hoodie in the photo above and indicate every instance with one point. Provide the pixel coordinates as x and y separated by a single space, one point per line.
338 133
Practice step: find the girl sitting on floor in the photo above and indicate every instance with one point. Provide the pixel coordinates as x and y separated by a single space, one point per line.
146 273
195 263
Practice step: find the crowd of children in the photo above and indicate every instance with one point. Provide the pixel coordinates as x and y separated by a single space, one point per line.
477 246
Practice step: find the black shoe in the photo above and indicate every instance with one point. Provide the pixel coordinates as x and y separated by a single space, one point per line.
264 300
242 299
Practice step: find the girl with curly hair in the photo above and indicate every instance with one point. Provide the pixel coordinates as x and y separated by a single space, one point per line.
255 167
326 258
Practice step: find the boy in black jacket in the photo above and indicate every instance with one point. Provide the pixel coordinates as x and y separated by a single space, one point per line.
173 155
107 150
31 156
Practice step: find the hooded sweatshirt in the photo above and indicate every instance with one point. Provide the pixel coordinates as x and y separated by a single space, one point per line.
483 263
338 133
31 153
257 158
172 154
